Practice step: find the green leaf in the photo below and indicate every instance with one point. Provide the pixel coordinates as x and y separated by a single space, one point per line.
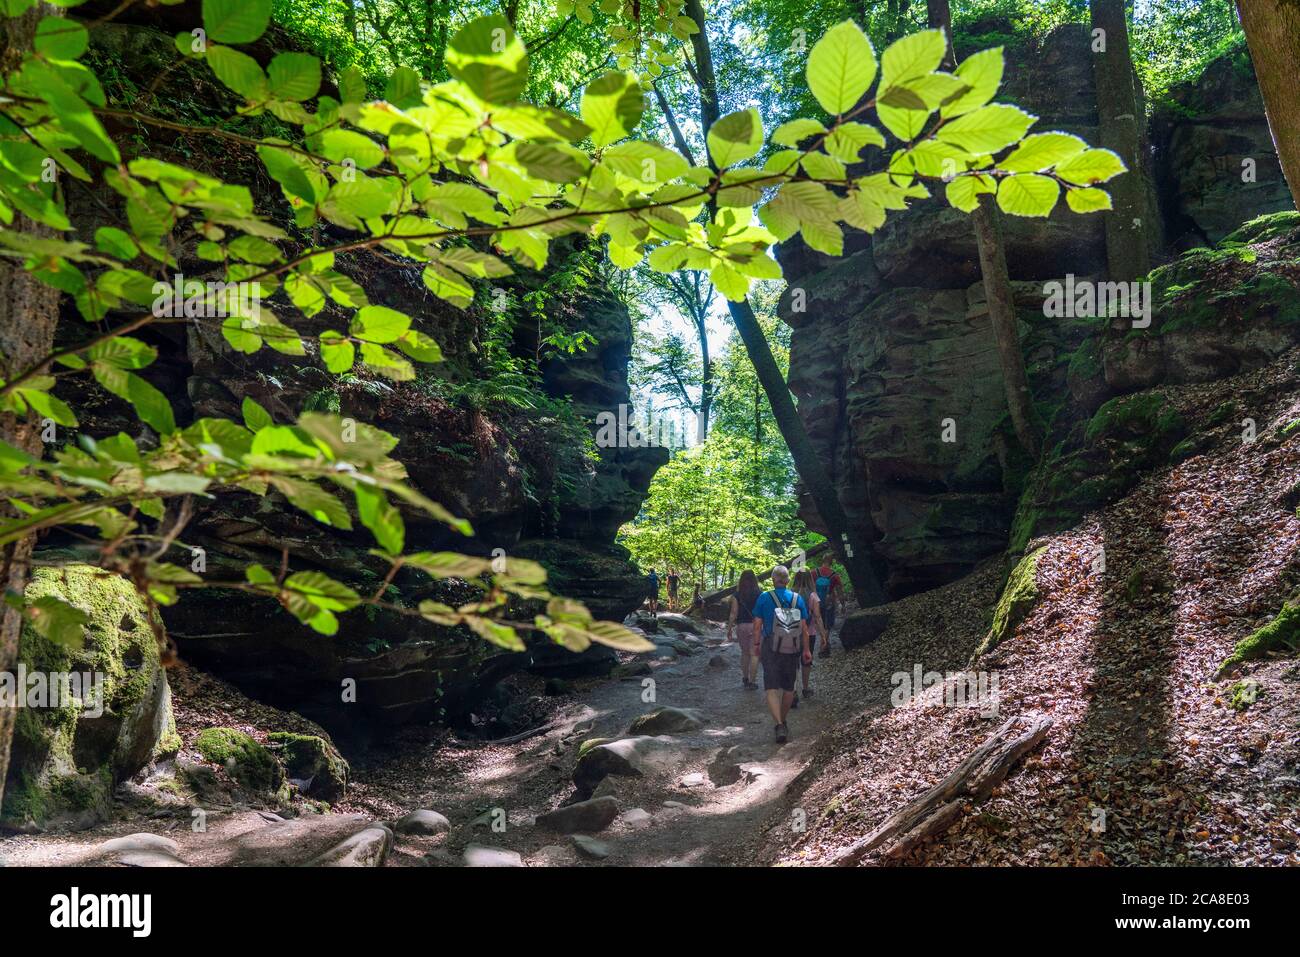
116 242
403 88
612 105
379 324
294 76
339 145
314 500
236 21
490 59
240 72
796 131
48 406
336 352
850 139
1088 200
1028 194
1042 151
60 38
58 621
551 163
1090 167
255 417
841 67
285 169
964 191
645 162
381 518
911 57
988 129
983 73
735 137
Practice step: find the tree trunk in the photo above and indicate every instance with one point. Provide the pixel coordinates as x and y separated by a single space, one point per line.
706 378
1273 35
1002 318
997 285
852 551
851 548
28 313
1128 255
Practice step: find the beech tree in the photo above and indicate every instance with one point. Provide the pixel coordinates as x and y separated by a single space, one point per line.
1273 35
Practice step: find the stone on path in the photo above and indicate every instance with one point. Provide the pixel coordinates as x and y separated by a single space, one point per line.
366 848
627 757
670 619
636 818
552 855
590 847
667 721
422 822
155 843
480 855
582 817
149 859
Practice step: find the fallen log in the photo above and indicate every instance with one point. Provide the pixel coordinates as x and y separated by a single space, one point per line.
971 782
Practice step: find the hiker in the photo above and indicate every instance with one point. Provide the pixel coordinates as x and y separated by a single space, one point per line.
830 592
781 640
672 580
740 618
805 589
652 583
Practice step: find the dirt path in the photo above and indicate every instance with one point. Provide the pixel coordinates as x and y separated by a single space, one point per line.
695 813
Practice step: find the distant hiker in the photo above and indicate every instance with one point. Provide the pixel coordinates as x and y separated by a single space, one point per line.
830 591
697 602
781 640
672 580
740 618
805 589
652 583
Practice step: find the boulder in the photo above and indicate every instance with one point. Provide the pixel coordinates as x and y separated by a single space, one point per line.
675 622
248 763
366 848
480 855
667 721
626 757
863 627
583 817
423 823
313 761
589 847
106 714
636 818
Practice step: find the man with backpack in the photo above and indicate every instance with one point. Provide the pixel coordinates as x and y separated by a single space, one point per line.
652 586
781 642
830 592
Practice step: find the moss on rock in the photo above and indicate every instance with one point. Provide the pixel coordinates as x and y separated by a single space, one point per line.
69 755
1279 636
248 762
310 757
1019 596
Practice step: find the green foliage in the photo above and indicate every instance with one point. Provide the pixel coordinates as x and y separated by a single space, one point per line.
450 163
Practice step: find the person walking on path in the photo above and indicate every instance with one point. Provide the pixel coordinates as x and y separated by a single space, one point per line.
672 580
781 640
740 625
805 589
652 583
830 593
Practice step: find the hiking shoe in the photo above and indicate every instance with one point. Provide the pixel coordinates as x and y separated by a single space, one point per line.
782 734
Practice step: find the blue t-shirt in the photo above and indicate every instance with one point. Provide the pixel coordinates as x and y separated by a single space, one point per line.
765 608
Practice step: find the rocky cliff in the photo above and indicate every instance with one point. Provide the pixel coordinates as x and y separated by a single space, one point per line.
893 361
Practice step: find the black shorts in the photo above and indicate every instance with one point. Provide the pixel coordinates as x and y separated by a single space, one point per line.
779 671
828 617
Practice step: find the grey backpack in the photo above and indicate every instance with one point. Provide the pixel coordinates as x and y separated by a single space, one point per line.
787 633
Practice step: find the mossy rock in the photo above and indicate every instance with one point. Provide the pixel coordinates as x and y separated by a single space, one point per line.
1263 229
67 756
1281 636
309 757
250 764
1019 596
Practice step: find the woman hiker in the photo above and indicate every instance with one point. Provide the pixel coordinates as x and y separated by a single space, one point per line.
740 618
